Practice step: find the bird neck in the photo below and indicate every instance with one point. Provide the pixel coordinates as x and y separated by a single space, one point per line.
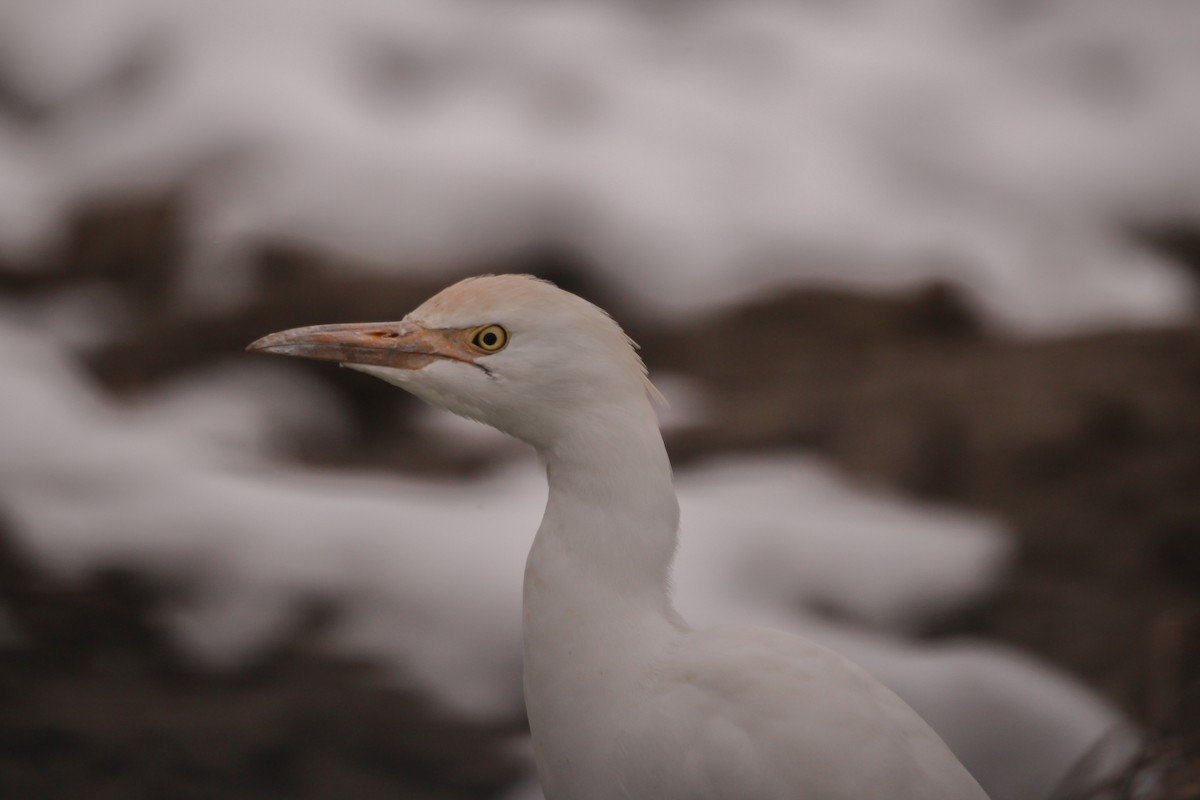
597 605
609 533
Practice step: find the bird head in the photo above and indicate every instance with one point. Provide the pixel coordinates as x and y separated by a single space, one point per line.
511 351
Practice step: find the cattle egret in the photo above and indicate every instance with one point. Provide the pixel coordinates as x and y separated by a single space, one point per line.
625 700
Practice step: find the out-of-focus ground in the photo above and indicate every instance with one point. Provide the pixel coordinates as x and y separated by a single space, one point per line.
951 248
1088 446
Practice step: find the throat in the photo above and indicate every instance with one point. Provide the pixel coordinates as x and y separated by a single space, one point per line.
611 514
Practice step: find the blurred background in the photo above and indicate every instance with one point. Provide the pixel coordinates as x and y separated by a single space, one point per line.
918 278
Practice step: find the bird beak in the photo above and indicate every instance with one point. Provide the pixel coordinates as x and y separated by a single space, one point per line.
401 345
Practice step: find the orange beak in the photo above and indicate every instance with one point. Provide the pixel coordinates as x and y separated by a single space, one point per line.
401 345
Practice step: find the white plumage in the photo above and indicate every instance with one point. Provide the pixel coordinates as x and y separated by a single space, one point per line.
625 700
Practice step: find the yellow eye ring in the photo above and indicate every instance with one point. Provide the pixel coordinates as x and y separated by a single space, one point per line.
490 338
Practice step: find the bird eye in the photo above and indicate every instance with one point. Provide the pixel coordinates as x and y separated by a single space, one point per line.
490 338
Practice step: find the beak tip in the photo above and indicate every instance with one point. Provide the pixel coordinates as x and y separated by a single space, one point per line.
266 344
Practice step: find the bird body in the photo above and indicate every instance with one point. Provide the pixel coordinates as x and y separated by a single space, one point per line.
625 700
737 712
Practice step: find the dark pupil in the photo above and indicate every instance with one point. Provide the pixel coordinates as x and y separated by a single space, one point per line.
489 338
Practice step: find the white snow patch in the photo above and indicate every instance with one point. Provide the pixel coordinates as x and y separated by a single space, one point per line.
698 153
788 532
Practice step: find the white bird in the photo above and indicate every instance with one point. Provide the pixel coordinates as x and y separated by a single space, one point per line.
625 700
